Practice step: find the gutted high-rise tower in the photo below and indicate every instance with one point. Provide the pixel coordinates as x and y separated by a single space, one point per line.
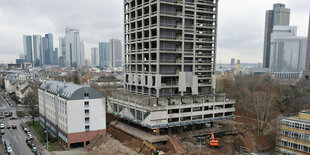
170 50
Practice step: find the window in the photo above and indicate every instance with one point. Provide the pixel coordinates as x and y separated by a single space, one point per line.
86 127
86 112
86 119
86 104
86 95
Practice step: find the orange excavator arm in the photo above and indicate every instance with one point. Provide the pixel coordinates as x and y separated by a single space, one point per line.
212 135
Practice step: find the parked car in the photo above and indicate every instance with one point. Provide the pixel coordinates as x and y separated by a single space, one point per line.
28 141
38 153
25 129
6 144
1 117
14 126
13 118
9 149
34 148
2 132
2 126
8 127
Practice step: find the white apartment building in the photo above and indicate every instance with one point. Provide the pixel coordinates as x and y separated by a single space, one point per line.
71 113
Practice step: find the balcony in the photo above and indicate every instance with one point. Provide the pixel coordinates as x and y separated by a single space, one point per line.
205 33
172 14
179 2
206 18
207 10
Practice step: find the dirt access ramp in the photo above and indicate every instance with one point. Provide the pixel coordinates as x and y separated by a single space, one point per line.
139 133
177 146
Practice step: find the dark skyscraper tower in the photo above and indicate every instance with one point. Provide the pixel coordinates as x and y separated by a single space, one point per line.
278 16
48 49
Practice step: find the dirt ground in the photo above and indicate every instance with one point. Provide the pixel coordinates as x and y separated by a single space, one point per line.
229 144
118 142
109 146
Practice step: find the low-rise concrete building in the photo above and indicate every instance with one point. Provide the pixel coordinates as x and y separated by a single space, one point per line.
72 113
163 113
295 138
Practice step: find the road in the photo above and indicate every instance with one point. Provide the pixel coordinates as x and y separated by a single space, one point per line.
16 137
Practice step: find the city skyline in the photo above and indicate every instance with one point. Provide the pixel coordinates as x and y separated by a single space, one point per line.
245 44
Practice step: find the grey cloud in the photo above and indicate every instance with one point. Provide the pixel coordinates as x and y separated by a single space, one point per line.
240 31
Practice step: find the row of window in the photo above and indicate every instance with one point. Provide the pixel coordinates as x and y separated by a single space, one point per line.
295 146
295 135
86 112
296 125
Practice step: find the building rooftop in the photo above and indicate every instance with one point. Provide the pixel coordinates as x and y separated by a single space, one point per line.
303 116
70 91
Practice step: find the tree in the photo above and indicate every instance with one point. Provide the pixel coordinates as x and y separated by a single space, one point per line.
262 103
31 101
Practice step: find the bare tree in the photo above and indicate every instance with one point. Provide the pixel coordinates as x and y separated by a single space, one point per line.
31 101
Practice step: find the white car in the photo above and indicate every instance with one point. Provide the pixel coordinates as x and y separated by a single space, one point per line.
2 126
9 149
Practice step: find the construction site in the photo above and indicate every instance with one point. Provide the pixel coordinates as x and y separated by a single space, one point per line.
233 136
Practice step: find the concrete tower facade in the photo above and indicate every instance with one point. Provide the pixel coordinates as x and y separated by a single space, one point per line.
170 52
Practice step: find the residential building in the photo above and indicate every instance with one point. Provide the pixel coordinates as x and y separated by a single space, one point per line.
48 49
94 56
278 16
28 48
295 138
307 67
169 80
71 113
37 54
287 53
104 54
116 58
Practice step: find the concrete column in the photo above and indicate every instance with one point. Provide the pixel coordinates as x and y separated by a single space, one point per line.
169 131
84 144
68 146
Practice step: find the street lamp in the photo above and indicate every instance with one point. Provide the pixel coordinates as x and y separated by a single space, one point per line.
46 140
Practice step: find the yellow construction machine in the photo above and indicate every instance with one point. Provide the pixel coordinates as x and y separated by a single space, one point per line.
153 148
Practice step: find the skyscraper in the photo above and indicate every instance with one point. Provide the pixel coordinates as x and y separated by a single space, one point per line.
28 48
287 52
278 16
73 48
37 48
307 67
170 48
116 58
104 54
232 62
48 49
94 56
55 57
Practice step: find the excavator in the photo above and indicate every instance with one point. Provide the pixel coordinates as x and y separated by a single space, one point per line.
153 148
213 142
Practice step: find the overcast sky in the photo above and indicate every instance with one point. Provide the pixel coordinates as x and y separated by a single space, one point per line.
240 30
